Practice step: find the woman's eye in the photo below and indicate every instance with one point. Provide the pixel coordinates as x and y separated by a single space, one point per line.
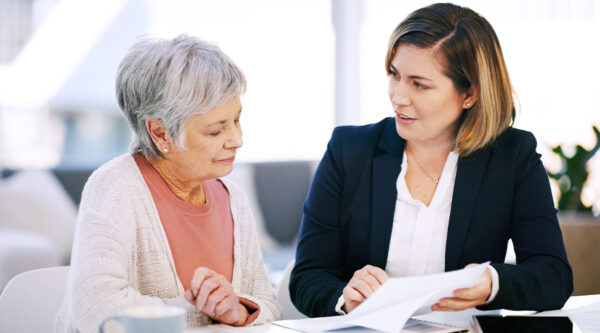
394 75
419 85
214 133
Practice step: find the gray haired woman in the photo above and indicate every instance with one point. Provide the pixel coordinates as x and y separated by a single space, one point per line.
159 225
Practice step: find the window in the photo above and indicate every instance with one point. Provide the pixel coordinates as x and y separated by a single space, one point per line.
285 48
15 27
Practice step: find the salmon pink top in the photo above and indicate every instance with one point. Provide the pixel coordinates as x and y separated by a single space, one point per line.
198 235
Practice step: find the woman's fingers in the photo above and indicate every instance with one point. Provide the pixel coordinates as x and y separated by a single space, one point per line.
212 294
479 291
229 306
363 284
378 273
455 304
189 297
200 274
466 298
368 279
216 297
225 305
230 311
351 294
208 286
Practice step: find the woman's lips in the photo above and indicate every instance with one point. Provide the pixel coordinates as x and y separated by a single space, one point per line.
228 160
404 119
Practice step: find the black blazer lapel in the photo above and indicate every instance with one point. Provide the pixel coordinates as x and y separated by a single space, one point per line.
386 168
469 176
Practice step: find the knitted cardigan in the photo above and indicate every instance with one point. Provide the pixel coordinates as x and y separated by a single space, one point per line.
121 257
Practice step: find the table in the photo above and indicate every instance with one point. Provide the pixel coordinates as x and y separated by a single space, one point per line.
583 310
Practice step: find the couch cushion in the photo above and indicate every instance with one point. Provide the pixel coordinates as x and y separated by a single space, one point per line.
73 181
243 176
281 189
35 201
22 251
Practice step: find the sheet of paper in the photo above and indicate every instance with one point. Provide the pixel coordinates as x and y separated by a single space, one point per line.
390 318
416 326
463 319
316 324
390 307
576 304
442 285
584 311
313 325
235 329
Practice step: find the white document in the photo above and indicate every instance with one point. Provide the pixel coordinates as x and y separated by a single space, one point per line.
584 311
390 307
313 325
576 304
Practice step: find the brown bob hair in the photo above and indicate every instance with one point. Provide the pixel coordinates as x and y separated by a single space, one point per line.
470 52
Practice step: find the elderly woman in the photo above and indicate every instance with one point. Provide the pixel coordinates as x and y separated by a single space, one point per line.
159 225
444 183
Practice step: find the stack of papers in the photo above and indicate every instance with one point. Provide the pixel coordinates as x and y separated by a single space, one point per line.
391 306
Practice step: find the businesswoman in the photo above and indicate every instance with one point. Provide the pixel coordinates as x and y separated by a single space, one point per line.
443 184
159 225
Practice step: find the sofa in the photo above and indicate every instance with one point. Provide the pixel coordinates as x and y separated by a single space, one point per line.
38 209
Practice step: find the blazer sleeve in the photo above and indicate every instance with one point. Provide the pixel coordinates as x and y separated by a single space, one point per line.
315 282
542 278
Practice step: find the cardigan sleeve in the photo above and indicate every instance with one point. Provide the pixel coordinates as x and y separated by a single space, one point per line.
315 285
103 275
542 278
251 282
98 286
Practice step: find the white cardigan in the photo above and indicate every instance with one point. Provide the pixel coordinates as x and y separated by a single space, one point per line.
121 257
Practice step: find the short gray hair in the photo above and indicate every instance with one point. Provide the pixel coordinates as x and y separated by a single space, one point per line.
173 80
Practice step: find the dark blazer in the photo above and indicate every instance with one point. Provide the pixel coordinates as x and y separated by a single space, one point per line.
500 192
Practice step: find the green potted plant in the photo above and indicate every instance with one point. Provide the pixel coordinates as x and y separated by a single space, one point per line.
581 231
573 175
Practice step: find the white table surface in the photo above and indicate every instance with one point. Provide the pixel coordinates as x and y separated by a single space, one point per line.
587 321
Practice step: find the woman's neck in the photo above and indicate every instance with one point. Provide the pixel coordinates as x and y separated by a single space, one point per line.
187 190
427 152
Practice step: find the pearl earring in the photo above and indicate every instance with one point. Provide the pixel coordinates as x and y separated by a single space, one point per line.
469 104
166 150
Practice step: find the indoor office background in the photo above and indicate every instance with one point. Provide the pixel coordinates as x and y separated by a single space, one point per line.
310 64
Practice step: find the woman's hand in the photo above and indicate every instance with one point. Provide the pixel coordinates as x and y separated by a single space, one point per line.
467 297
364 282
212 294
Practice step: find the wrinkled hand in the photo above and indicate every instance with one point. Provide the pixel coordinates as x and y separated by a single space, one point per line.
364 282
212 294
467 297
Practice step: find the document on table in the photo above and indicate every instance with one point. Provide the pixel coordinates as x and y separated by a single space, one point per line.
391 306
585 312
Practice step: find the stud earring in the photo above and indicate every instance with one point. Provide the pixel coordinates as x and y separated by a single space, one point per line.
469 104
166 150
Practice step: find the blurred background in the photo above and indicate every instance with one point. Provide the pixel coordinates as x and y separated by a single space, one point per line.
311 65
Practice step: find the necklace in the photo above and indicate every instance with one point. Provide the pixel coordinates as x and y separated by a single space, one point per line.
434 179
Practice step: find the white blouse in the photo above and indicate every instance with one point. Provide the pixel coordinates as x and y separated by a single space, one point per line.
418 241
419 232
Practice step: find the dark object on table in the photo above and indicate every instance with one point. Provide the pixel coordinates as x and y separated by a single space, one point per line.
525 324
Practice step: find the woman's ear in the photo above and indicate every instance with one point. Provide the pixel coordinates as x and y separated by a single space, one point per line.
159 134
470 98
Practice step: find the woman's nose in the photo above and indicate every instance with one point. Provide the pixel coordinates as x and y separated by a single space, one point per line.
235 139
399 94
